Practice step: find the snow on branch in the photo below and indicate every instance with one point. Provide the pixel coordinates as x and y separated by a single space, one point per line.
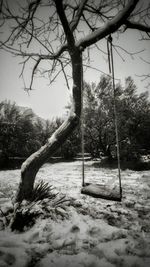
109 27
137 26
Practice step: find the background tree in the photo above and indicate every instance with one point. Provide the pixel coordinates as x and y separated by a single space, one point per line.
99 117
20 134
133 118
9 115
27 134
72 146
134 122
57 36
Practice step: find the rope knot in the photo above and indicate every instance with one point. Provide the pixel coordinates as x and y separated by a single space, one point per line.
110 38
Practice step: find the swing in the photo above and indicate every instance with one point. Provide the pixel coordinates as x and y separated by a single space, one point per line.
107 191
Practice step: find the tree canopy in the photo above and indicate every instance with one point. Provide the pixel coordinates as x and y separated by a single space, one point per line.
42 32
133 119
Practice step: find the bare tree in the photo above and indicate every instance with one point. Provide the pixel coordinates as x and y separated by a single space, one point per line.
60 32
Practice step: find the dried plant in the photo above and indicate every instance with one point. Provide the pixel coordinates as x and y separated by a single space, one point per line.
44 202
41 191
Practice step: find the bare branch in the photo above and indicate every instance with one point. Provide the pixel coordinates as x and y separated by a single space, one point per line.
109 27
24 63
93 68
87 22
65 24
137 26
33 72
18 52
127 52
76 19
118 53
66 78
146 61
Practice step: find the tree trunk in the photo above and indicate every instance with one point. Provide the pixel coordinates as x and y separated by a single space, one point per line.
32 165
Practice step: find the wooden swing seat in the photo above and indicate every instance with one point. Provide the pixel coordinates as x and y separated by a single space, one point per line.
101 191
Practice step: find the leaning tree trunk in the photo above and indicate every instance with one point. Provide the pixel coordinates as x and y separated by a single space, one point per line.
32 165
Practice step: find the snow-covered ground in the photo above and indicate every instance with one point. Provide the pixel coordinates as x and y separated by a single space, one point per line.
89 232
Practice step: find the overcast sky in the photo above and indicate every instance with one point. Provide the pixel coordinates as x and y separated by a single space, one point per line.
49 100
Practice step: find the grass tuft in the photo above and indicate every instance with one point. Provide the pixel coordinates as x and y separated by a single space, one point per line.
41 191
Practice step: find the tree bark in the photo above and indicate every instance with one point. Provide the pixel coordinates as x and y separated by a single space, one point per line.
32 165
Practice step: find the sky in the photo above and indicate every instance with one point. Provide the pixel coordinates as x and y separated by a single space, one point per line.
49 101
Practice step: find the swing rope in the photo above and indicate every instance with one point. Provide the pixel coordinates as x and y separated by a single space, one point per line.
111 70
82 130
